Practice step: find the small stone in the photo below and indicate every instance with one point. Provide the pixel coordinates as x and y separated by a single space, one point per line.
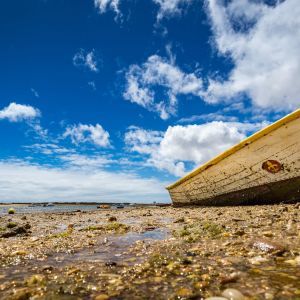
70 227
216 298
47 268
268 233
179 220
11 225
22 294
269 246
191 253
73 271
150 228
294 262
269 296
239 232
110 264
19 252
11 211
184 292
257 260
233 277
233 294
35 279
102 297
112 219
24 218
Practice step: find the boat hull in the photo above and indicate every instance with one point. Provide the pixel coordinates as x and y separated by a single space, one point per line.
261 169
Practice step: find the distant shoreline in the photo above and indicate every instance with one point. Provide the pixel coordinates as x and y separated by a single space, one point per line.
84 203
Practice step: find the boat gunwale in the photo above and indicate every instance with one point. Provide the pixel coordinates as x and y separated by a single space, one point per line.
252 138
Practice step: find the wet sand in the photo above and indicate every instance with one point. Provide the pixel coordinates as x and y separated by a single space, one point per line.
152 253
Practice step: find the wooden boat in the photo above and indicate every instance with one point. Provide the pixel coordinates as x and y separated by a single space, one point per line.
263 168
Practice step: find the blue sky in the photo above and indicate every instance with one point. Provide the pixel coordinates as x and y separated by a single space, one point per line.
110 100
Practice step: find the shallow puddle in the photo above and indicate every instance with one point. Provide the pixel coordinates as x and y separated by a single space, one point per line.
113 248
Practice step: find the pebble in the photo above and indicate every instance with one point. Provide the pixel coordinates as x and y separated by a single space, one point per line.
11 211
184 292
269 246
257 260
294 262
112 219
233 294
102 297
216 298
110 264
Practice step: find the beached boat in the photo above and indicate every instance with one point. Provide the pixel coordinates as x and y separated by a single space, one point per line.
263 168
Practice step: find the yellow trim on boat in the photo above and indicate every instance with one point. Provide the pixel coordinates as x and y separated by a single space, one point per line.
288 118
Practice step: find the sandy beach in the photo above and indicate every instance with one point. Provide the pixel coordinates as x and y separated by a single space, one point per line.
152 253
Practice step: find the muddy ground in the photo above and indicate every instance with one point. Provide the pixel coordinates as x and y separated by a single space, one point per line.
250 252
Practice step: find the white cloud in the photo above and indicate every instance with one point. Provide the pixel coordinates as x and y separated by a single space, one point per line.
171 150
20 181
265 55
83 133
35 93
158 72
18 112
105 5
86 59
170 8
86 161
216 116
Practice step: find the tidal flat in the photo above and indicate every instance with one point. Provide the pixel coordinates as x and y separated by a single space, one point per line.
243 252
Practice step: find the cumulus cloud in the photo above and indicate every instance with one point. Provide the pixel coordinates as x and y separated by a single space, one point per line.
18 112
171 150
83 133
158 72
264 44
105 5
21 181
35 93
170 8
86 59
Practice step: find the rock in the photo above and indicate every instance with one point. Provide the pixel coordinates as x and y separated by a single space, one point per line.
239 232
268 233
27 226
180 220
150 228
35 279
233 277
112 219
11 225
269 246
191 253
148 214
233 294
184 293
11 211
19 252
24 218
257 260
216 298
47 268
18 230
102 297
22 294
294 262
110 264
70 228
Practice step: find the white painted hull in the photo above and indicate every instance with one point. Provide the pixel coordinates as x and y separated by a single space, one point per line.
263 168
